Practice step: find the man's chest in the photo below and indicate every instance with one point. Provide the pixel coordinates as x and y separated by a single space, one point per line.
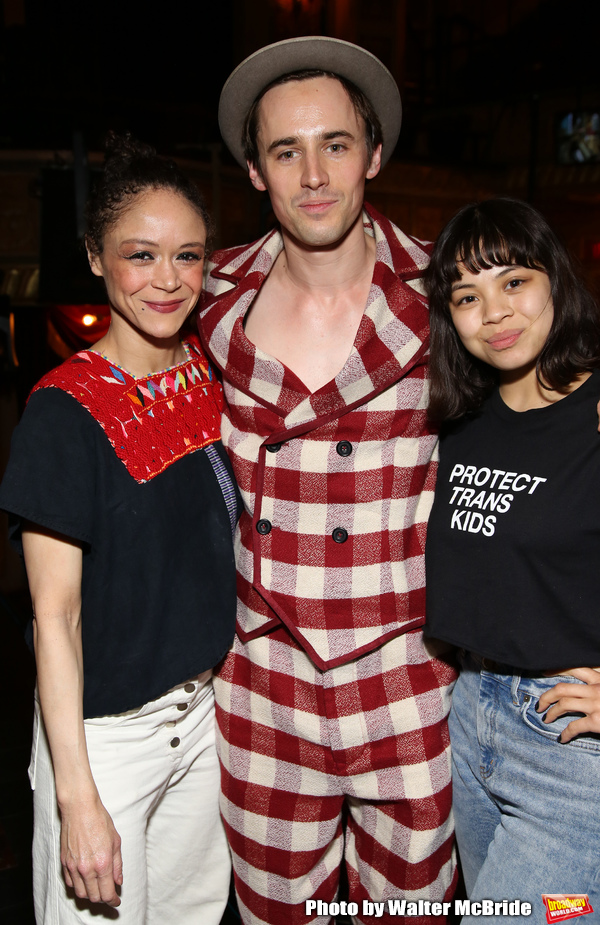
311 336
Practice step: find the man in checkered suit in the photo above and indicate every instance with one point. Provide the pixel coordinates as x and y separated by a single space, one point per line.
331 706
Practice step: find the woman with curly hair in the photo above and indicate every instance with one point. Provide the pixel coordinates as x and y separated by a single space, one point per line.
122 497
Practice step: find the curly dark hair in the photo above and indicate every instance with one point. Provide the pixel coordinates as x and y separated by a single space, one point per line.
496 233
131 168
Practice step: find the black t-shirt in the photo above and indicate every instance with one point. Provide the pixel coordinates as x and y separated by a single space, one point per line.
513 543
158 584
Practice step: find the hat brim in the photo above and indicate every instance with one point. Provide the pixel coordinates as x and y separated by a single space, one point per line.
314 51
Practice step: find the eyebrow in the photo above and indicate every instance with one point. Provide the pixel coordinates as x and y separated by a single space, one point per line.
295 139
154 243
503 272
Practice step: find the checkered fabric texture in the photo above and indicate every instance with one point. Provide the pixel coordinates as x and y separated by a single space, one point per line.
337 484
296 743
329 698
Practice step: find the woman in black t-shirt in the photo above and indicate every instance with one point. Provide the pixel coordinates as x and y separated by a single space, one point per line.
122 496
512 555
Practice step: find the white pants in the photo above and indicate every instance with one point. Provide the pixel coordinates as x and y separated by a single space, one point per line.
157 773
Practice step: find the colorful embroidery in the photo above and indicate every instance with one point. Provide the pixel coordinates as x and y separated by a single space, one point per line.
150 422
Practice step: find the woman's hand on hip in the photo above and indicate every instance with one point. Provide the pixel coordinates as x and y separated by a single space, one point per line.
90 852
574 698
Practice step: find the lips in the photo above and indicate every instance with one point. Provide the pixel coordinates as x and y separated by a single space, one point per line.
315 207
503 339
165 308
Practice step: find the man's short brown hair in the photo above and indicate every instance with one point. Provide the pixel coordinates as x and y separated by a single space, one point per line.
360 102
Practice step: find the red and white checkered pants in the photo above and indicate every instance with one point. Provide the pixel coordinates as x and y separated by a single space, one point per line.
297 744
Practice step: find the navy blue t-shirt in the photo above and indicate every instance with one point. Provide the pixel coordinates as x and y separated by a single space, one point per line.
513 542
158 584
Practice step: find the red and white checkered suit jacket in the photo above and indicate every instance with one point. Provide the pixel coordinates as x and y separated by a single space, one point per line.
338 483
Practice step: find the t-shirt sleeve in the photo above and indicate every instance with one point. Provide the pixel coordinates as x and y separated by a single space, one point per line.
50 475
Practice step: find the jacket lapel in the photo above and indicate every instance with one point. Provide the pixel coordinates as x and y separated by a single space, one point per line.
392 336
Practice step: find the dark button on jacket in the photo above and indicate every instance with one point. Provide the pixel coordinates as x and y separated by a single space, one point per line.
344 448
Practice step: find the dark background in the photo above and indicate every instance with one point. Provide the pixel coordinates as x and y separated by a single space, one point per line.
158 69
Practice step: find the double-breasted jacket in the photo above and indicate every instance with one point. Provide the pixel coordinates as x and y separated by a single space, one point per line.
337 484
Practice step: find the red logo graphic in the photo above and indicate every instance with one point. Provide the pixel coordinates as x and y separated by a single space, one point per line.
560 906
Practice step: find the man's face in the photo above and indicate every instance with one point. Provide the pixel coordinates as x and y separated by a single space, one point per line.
313 159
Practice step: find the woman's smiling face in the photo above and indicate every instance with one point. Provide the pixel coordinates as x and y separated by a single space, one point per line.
152 262
503 315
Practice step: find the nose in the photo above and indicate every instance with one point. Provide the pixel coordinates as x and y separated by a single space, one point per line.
166 276
314 172
495 309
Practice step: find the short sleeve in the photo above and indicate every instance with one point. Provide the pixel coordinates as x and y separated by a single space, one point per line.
50 475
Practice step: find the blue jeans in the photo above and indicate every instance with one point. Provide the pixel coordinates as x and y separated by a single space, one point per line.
527 808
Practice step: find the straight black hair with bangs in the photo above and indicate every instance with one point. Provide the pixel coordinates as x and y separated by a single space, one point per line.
497 233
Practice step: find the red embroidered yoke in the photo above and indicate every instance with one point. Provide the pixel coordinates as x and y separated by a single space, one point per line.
152 421
337 483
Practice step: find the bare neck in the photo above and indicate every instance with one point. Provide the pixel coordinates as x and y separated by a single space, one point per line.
330 271
523 393
310 307
139 355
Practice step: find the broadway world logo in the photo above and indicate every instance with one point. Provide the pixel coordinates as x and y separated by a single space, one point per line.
560 906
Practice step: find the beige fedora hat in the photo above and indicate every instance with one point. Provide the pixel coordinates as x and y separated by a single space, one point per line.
309 51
